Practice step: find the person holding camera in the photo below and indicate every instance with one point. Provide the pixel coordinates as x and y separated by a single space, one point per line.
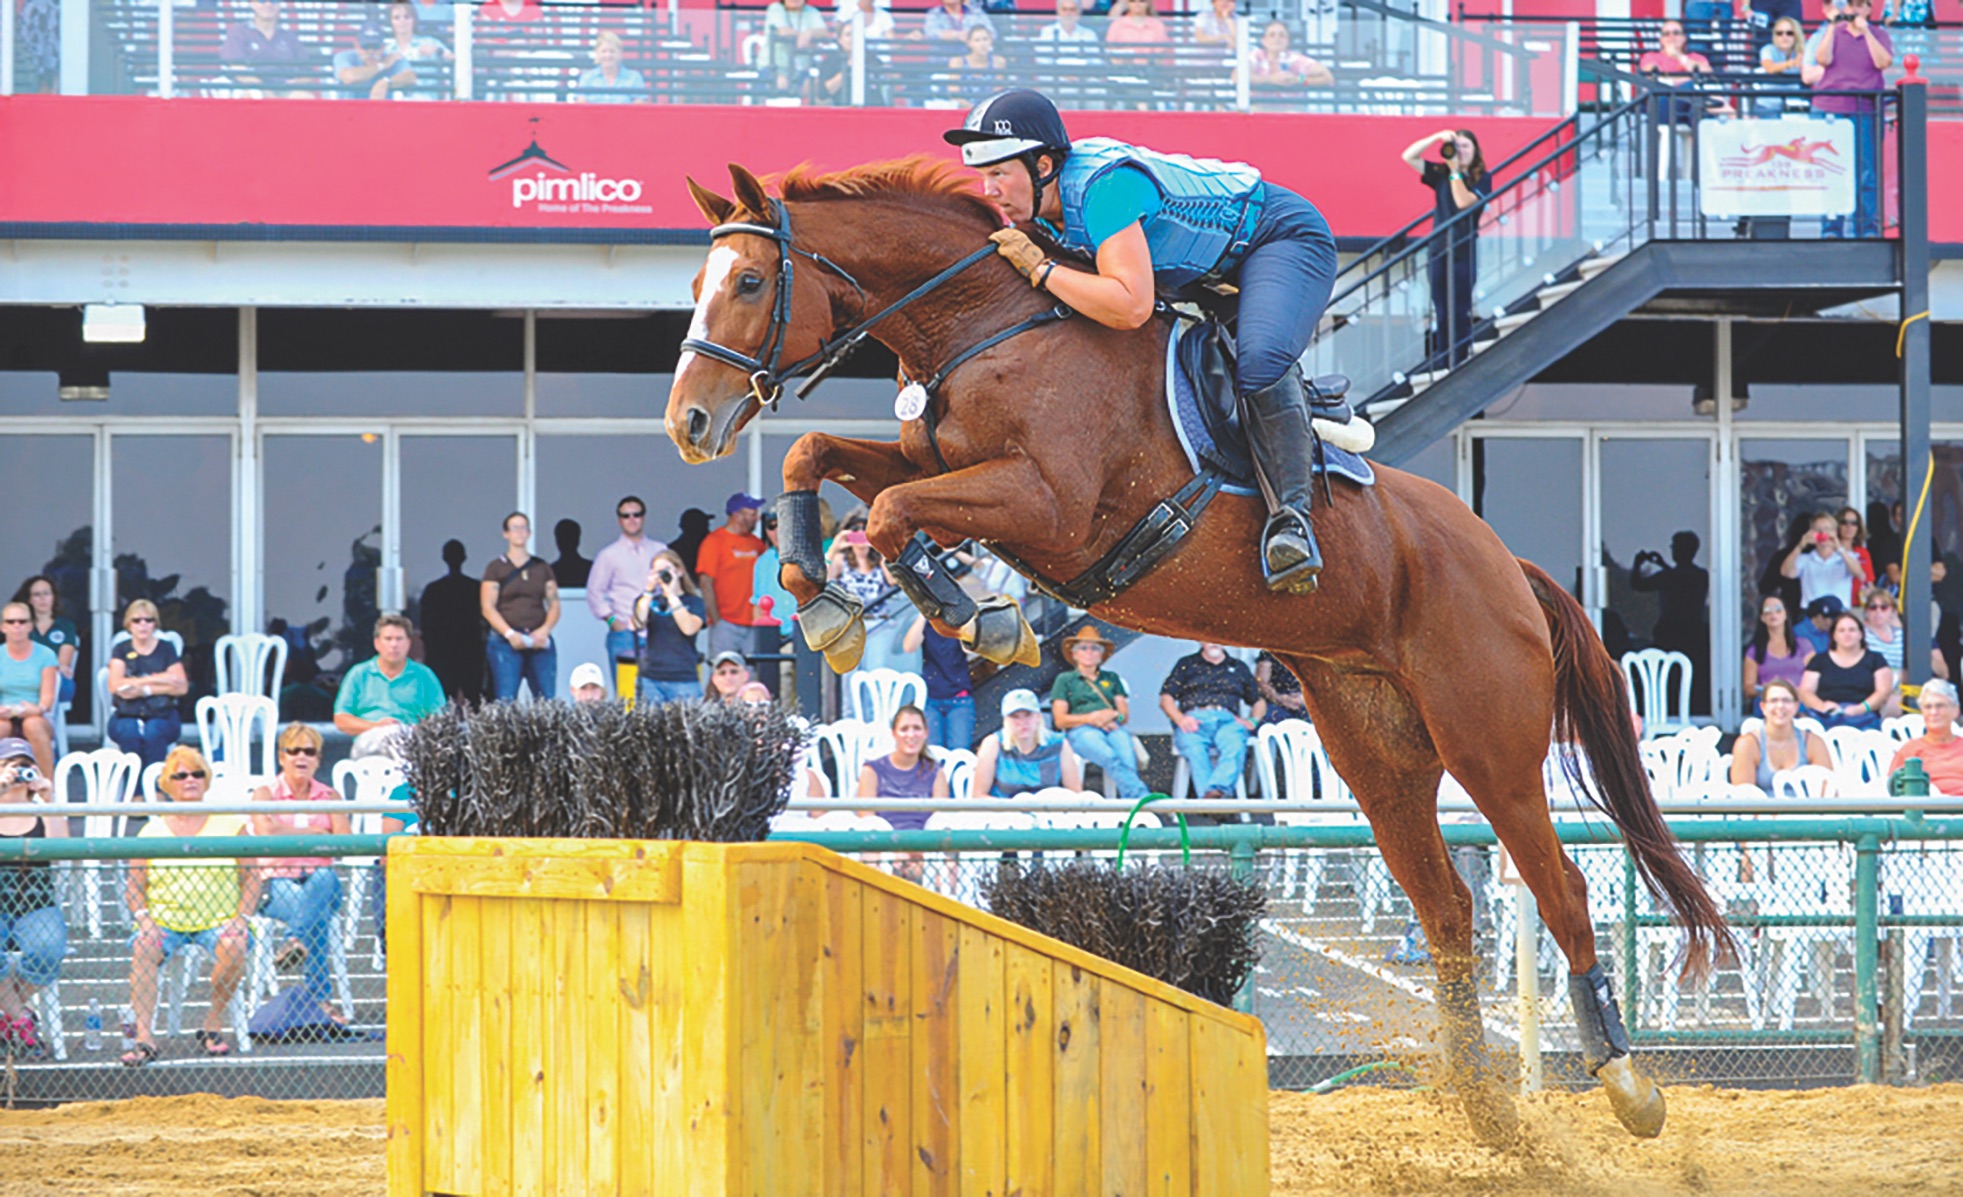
33 937
1458 180
671 612
1822 563
1852 56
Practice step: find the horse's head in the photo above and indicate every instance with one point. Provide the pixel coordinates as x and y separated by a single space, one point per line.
744 327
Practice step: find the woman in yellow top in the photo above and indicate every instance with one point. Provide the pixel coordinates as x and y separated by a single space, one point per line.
178 902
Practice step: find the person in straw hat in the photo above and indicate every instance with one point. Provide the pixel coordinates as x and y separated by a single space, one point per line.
1091 708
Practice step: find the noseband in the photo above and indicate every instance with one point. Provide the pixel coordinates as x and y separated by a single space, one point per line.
767 375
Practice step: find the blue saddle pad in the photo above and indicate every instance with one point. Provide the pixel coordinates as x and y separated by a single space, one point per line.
1208 420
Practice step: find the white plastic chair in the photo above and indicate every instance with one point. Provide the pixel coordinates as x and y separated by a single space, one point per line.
1860 759
1653 675
850 743
226 724
1292 766
959 763
1902 728
370 779
1751 724
1806 879
1928 877
108 775
878 693
174 977
1806 781
251 663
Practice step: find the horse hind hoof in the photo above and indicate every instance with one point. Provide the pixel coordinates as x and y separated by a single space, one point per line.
845 649
1003 636
1637 1102
829 618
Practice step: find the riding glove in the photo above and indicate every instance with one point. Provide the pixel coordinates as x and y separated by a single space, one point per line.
1021 252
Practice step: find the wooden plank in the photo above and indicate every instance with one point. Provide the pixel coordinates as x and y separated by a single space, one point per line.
888 1073
1079 1115
1230 1155
645 879
495 995
409 1002
1122 1068
1029 1151
465 934
667 1142
1168 1101
936 1083
600 1048
633 1022
565 1069
530 1031
844 1034
439 1077
708 1067
770 1023
981 1034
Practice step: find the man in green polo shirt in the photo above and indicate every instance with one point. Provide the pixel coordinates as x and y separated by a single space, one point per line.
383 695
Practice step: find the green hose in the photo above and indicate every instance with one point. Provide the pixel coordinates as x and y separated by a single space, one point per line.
1342 1078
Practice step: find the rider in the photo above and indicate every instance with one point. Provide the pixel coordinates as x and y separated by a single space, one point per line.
1144 220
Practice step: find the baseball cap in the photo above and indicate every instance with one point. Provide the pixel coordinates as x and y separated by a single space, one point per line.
1826 604
588 674
741 502
13 746
370 36
1020 700
730 655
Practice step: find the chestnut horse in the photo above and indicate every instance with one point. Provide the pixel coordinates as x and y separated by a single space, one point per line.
1428 647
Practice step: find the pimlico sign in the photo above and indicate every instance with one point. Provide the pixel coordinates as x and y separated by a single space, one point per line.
541 183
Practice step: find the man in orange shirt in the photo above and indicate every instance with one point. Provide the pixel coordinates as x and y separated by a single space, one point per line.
1938 747
724 566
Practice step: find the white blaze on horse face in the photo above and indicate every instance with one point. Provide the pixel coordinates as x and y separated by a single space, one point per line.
715 272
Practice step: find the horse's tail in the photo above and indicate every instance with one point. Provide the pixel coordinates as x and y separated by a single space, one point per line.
1591 711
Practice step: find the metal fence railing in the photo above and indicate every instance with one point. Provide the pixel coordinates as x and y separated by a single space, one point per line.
1849 930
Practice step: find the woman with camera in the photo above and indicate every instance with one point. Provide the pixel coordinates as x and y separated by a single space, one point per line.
33 938
1457 182
670 613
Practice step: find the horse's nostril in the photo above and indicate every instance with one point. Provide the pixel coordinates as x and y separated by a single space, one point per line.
698 425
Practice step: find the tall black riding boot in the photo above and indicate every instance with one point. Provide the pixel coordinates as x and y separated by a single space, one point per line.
1277 421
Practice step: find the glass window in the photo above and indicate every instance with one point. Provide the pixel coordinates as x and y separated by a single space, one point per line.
186 365
1589 401
1782 485
395 362
58 539
581 478
1854 402
630 396
453 487
172 515
320 559
406 394
1529 490
1656 515
1438 461
617 366
133 393
1939 529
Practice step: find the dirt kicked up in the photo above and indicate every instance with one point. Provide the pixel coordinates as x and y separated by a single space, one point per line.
1838 1142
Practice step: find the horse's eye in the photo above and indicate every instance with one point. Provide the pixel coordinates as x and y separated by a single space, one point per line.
749 284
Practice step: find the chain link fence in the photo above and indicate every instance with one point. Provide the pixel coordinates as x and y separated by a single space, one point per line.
1831 918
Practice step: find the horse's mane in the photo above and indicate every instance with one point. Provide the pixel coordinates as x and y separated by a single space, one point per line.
916 177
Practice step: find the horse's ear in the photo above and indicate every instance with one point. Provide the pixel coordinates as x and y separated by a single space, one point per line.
749 192
713 206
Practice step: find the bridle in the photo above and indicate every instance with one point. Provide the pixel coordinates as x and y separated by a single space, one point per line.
767 374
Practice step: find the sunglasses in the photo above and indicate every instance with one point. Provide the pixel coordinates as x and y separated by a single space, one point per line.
302 750
1881 606
1785 33
142 619
189 775
13 621
631 515
1850 523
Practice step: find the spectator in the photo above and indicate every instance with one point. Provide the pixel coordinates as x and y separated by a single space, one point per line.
52 629
876 22
1847 685
1809 71
831 80
1823 564
1881 630
570 570
589 683
1457 182
672 612
1273 64
1217 26
729 672
1815 634
261 40
1853 541
1852 55
906 772
407 43
33 937
1203 696
854 564
304 892
608 82
520 599
793 31
370 69
29 680
382 696
724 569
1673 65
1780 59
950 687
1136 26
1885 547
145 681
755 694
1279 688
1025 756
179 901
765 581
1938 747
1069 30
981 72
1775 654
453 627
1776 745
1091 706
695 530
619 577
1764 16
952 21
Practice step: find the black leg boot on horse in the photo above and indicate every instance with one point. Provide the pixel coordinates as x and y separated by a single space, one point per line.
1277 419
1637 1102
994 627
832 623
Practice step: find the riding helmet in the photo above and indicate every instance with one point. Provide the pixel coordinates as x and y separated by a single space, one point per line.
1010 124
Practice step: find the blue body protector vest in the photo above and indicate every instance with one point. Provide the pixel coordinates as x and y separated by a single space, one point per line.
1208 208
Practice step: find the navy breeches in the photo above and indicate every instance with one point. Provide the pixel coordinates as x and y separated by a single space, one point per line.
1284 280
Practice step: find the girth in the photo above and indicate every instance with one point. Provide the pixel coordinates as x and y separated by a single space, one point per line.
1144 546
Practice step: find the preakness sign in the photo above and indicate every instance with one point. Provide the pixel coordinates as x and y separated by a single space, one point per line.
1794 166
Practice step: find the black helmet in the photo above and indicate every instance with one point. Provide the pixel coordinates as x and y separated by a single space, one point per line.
1010 124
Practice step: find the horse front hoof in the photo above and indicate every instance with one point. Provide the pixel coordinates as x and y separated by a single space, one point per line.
845 650
1495 1123
1637 1102
1003 636
830 617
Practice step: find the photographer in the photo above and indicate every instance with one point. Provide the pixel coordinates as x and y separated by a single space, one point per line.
1821 563
670 613
1457 182
1851 56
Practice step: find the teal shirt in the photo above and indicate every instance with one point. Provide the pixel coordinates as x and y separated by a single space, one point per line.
367 694
20 681
1117 200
